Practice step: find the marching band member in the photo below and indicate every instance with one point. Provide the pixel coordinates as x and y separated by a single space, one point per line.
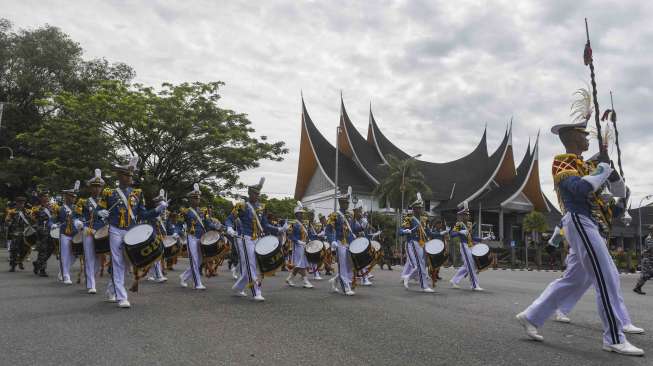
156 270
462 233
360 228
414 227
44 215
173 226
586 223
17 221
126 206
439 231
89 209
299 237
197 223
340 234
647 263
322 226
69 224
247 223
312 235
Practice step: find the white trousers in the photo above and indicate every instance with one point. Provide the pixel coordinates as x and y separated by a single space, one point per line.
155 270
195 258
468 268
247 266
592 264
345 273
91 261
67 258
119 264
409 268
415 255
299 256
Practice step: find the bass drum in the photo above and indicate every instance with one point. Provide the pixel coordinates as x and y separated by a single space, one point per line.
314 251
77 244
210 244
171 247
268 254
362 253
482 257
435 253
101 240
141 245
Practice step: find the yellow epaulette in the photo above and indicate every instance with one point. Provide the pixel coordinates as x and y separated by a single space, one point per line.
238 207
332 219
107 192
407 223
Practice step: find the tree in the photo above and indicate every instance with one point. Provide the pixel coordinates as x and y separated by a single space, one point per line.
283 208
179 133
35 66
535 223
401 171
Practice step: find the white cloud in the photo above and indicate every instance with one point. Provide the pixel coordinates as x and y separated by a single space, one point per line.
436 72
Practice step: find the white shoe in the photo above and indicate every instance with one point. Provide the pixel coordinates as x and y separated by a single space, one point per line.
200 287
454 285
307 284
233 273
332 282
317 276
631 329
479 289
151 278
182 282
92 291
289 282
428 290
367 282
406 283
67 281
561 317
259 298
241 294
624 348
124 304
59 277
350 293
531 330
111 298
161 279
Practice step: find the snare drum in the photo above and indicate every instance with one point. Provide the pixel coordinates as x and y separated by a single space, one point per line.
101 240
210 244
29 236
77 244
314 251
435 254
362 253
54 233
268 254
141 245
171 247
481 254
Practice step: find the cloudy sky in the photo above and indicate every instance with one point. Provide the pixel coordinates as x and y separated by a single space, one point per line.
435 72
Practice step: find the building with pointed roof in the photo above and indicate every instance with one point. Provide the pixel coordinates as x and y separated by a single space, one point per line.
497 191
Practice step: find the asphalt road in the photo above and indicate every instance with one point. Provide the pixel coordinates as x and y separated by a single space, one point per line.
43 322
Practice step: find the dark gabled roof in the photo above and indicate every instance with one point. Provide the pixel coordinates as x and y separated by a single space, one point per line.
364 154
497 195
383 145
348 173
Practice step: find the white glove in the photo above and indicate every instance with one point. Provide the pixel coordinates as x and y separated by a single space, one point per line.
78 224
334 244
556 238
103 214
231 231
444 232
463 232
406 231
162 206
599 175
54 226
175 235
301 242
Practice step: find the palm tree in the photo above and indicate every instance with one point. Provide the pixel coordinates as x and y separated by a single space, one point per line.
535 223
403 179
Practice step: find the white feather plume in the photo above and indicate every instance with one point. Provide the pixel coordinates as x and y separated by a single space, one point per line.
581 108
76 187
98 173
349 191
196 187
466 205
133 162
299 204
261 181
162 193
312 206
419 197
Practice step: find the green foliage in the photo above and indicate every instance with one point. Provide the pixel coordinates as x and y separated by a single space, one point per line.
387 224
221 207
69 116
390 188
280 208
535 222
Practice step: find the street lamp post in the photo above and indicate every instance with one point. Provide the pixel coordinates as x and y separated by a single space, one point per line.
335 190
403 190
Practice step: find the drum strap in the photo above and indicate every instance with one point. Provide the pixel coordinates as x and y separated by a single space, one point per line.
126 203
199 219
258 223
20 213
47 212
163 227
93 203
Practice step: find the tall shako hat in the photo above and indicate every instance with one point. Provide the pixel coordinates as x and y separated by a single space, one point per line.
128 169
581 111
96 180
195 193
419 203
299 207
73 191
256 188
160 197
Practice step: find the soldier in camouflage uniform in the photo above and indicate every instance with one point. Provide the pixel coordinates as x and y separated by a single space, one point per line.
17 220
647 262
43 214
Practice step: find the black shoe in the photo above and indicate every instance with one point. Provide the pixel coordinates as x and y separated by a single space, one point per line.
439 278
20 265
12 269
42 273
36 267
639 291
